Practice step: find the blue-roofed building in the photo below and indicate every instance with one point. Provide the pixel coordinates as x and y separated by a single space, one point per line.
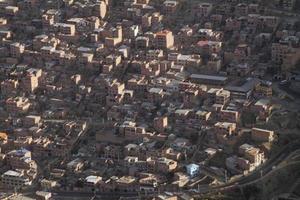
20 153
192 170
20 159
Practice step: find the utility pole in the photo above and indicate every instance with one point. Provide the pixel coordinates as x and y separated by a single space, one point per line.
139 194
242 191
262 184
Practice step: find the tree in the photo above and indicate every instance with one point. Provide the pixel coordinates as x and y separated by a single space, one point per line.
251 191
297 26
248 118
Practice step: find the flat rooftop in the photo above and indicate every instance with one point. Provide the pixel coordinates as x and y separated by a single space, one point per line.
208 77
246 86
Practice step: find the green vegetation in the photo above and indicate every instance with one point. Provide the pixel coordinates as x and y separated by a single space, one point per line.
273 183
252 191
218 160
280 120
248 118
218 197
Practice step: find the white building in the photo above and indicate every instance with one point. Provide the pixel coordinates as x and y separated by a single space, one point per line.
15 179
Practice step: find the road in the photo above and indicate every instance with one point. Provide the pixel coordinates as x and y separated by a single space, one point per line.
100 195
288 14
260 171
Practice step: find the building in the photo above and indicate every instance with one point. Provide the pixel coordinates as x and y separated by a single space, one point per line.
92 181
17 49
264 89
243 89
286 4
203 9
3 139
214 63
20 159
15 179
166 196
160 123
155 95
127 183
208 79
165 165
42 195
269 23
229 116
192 170
48 184
130 129
9 87
238 165
208 47
170 6
249 158
233 24
164 39
222 97
65 29
225 128
254 155
262 135
100 9
173 154
17 105
75 165
241 9
115 93
152 55
31 80
202 115
263 108
285 55
142 42
242 52
114 36
31 120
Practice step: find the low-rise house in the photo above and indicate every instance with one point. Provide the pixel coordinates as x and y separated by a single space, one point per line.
75 165
127 183
17 105
243 89
165 165
202 115
262 135
172 154
155 95
222 97
160 123
229 116
20 159
92 181
48 184
264 89
192 170
254 155
31 120
263 108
